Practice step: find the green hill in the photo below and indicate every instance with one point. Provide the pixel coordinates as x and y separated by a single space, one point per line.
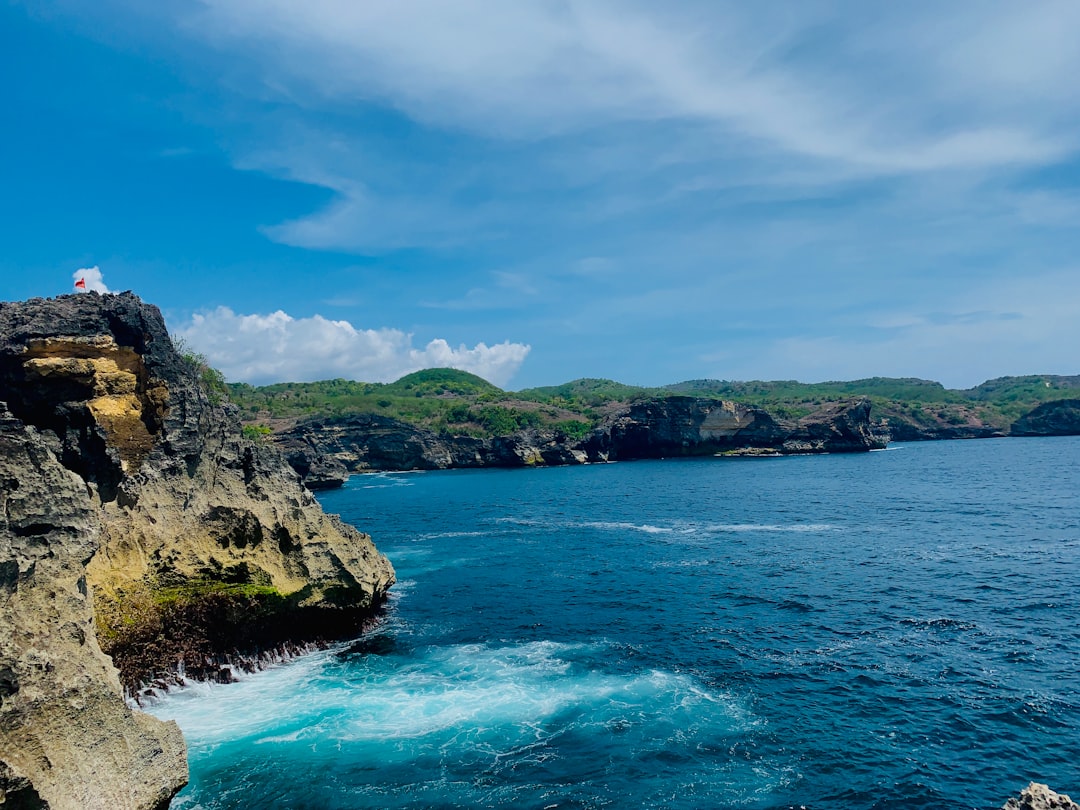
588 392
462 403
441 382
441 399
1015 396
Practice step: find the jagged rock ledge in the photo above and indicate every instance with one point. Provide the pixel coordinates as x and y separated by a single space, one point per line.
67 738
139 523
210 636
326 451
1037 796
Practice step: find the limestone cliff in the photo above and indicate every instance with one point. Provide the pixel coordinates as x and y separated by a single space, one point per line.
1058 418
198 544
67 738
326 451
691 426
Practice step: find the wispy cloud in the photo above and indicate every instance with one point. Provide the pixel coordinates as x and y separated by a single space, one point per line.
807 78
277 347
633 105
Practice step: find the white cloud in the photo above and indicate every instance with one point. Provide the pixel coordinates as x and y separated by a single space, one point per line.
92 279
278 348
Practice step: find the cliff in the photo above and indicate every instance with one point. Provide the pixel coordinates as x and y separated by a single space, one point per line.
690 426
67 738
915 423
165 536
1057 418
326 451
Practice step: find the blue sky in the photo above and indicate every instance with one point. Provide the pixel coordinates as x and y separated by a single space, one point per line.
539 191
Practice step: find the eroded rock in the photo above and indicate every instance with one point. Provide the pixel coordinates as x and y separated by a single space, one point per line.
138 518
1058 418
67 738
326 451
1037 796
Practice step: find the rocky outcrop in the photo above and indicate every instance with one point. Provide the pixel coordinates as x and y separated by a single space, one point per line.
1040 797
199 544
918 422
326 451
67 738
689 426
909 431
1058 418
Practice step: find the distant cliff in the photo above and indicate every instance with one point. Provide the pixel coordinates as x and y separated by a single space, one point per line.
131 497
689 426
1058 418
452 402
326 451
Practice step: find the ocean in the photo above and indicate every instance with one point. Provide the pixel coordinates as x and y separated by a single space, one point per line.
895 629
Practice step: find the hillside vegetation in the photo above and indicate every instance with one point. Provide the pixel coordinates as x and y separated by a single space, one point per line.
457 402
442 399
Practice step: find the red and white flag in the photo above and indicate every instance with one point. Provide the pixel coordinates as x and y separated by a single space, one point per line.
80 284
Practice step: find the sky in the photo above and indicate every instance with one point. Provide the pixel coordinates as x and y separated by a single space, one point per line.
544 190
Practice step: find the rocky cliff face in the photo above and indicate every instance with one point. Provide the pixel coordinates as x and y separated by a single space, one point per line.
689 426
67 738
326 451
1060 418
198 543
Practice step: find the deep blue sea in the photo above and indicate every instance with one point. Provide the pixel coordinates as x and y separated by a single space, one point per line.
896 629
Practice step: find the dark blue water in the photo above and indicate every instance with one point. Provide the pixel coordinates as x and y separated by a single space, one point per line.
898 629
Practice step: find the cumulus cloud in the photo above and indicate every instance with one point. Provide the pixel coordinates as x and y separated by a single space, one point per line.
270 348
91 279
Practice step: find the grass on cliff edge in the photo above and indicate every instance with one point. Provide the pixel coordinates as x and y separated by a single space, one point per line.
141 605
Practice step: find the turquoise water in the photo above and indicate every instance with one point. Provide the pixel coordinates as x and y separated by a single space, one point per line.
897 629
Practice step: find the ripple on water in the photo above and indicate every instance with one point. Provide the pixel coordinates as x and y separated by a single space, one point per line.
883 630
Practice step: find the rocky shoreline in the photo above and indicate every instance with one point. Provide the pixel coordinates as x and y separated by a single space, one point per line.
141 535
326 451
1058 418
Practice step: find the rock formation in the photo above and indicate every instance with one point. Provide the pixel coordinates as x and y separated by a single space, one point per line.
901 430
130 492
1058 418
689 426
67 738
326 451
1040 797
